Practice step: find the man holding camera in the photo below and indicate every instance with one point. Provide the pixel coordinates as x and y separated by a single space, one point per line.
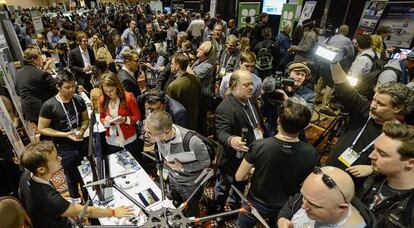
272 158
365 122
153 66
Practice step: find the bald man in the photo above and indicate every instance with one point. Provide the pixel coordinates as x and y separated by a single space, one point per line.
326 200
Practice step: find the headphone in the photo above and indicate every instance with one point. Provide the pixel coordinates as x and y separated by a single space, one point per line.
150 96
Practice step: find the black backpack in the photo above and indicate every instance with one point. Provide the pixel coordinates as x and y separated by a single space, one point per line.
367 83
264 57
377 63
211 146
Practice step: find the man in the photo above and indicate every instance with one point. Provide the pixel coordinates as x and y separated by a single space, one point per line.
283 44
130 36
120 48
389 191
394 70
247 62
273 158
64 118
149 36
155 100
48 208
155 64
326 200
185 88
34 85
217 41
233 28
43 46
235 112
111 32
247 29
127 73
169 138
230 58
266 52
81 62
203 69
195 28
365 122
362 64
257 30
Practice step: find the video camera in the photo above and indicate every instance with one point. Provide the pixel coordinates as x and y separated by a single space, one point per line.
271 84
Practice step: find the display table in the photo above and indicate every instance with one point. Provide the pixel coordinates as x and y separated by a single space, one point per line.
138 185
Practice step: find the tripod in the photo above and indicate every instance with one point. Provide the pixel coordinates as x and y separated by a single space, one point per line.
333 130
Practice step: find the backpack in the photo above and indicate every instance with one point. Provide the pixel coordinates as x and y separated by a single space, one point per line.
264 57
367 83
211 146
377 63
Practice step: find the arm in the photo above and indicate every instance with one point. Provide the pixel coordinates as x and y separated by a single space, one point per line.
201 153
44 129
243 170
133 106
290 207
85 122
338 74
95 212
308 41
131 87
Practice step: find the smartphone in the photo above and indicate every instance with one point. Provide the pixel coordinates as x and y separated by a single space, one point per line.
326 54
116 119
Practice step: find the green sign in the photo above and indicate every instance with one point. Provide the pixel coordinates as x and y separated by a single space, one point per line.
251 9
288 16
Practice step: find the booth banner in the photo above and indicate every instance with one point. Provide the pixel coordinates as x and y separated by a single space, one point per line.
37 21
156 6
370 17
247 9
299 4
307 11
288 16
11 132
399 17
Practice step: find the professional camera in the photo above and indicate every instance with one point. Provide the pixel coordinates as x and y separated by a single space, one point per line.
271 84
281 80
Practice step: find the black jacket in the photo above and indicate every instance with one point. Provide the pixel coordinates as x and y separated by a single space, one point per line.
230 119
295 202
76 65
34 86
131 85
397 211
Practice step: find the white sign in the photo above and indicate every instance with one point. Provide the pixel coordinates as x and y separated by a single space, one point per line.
156 6
307 11
11 132
213 4
37 21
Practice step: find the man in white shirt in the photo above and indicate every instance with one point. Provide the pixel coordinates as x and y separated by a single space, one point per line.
362 64
195 28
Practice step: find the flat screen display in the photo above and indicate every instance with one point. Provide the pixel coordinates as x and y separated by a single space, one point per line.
401 55
273 7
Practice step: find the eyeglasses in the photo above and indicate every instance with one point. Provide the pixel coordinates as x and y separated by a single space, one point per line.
328 181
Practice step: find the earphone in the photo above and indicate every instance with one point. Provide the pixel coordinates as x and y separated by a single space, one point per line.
154 97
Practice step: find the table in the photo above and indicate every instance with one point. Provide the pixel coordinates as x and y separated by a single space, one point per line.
136 185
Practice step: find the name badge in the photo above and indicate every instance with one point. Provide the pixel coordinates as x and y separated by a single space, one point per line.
348 157
258 133
222 72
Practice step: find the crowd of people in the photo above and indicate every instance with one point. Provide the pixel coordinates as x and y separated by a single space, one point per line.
160 77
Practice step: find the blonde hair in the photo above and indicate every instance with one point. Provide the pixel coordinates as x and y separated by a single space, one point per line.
377 43
244 44
103 53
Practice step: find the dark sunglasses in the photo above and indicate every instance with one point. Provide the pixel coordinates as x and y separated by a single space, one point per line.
328 181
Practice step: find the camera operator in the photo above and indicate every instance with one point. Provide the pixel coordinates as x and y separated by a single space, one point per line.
153 66
276 90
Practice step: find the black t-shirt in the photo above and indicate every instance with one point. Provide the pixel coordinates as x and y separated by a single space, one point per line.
48 205
280 169
52 109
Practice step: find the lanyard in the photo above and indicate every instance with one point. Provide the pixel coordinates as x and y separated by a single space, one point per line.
359 135
228 60
254 115
66 113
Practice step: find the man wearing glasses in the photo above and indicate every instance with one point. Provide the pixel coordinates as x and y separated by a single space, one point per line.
183 166
326 200
127 74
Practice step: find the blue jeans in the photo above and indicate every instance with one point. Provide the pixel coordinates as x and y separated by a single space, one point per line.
222 192
247 220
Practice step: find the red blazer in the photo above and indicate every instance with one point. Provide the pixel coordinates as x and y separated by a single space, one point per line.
131 111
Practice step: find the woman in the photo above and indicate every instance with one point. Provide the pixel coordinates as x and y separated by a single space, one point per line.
119 113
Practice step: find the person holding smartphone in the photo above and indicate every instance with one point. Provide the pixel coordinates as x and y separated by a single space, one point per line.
119 113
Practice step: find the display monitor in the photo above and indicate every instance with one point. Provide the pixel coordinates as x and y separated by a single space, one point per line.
273 7
401 55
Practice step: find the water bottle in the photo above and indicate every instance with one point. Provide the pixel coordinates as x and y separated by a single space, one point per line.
86 166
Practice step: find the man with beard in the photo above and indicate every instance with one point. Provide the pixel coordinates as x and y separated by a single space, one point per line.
365 123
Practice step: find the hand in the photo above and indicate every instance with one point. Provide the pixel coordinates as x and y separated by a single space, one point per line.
107 119
238 144
71 135
123 211
81 89
284 223
285 96
174 165
81 133
120 120
44 49
360 170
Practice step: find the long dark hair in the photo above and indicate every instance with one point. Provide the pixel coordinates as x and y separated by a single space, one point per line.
111 80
